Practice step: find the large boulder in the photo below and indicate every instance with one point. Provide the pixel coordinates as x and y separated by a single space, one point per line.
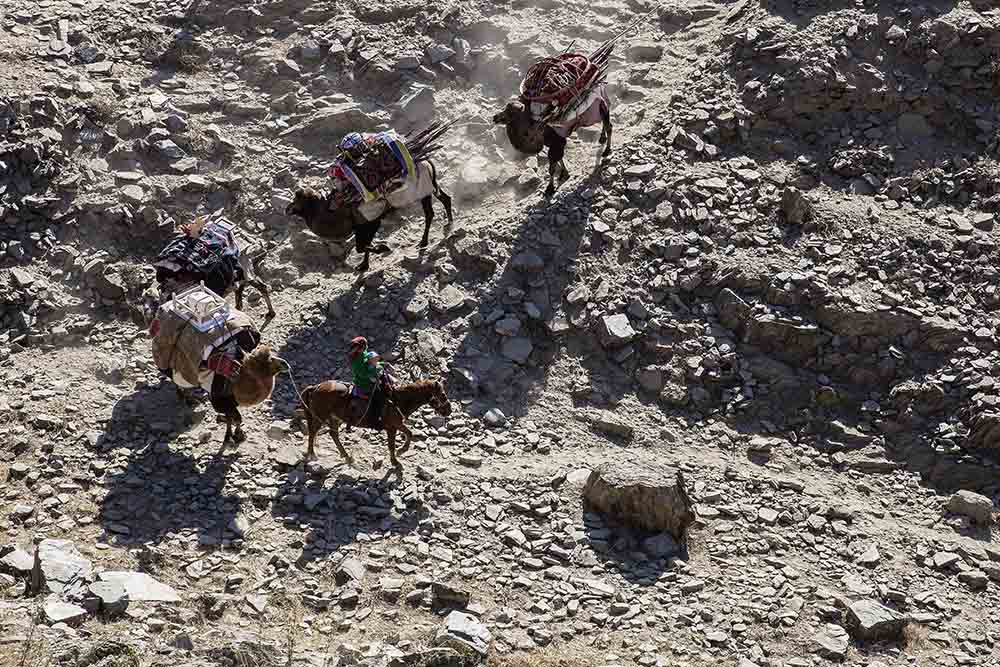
977 507
329 124
655 500
140 587
796 206
465 634
870 621
59 568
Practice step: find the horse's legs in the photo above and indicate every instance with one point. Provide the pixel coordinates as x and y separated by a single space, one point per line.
391 432
606 128
426 202
312 424
335 434
240 286
363 266
262 288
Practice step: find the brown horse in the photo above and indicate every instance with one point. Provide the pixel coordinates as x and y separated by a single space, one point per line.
529 136
331 402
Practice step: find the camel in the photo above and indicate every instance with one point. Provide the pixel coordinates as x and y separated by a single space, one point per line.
252 384
364 220
331 403
530 136
229 270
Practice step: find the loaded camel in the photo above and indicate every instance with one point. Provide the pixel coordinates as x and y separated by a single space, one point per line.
226 359
332 403
206 253
557 97
328 219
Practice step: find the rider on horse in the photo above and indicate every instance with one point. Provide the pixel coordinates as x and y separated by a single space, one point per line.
369 379
369 165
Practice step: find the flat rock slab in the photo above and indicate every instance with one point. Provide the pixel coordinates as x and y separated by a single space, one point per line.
465 634
57 611
59 568
977 507
18 563
141 587
870 621
652 499
112 595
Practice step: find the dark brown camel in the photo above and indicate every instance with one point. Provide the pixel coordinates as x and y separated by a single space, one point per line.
338 224
529 136
331 403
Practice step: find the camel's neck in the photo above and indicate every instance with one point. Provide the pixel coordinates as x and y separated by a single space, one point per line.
251 389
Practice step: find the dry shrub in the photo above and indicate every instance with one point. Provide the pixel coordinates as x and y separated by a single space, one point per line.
915 635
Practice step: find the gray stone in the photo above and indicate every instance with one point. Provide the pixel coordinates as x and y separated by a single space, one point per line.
518 349
446 595
438 53
870 621
141 587
18 563
831 642
59 568
977 580
465 634
112 596
977 507
796 206
351 569
57 611
661 546
528 262
646 51
652 499
616 331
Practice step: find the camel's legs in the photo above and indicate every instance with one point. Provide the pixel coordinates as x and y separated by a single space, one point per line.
606 129
426 202
266 293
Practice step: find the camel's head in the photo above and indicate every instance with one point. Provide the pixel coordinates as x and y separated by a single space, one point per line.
305 199
505 116
263 361
439 399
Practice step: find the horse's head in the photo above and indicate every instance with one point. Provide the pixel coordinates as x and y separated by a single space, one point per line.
439 399
304 202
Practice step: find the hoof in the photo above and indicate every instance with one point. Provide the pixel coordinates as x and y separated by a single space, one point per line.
550 191
362 268
310 456
239 437
422 244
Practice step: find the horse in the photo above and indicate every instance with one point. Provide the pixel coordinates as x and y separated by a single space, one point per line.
364 219
332 403
231 270
529 136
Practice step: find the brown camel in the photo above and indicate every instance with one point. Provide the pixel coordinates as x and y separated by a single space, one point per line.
338 224
250 385
530 136
331 402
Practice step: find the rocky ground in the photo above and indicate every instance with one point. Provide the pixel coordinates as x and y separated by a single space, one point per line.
782 284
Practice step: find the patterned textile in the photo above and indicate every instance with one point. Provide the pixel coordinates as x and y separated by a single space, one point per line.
213 257
385 161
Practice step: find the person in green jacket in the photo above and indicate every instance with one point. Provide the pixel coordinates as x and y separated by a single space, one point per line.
366 366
